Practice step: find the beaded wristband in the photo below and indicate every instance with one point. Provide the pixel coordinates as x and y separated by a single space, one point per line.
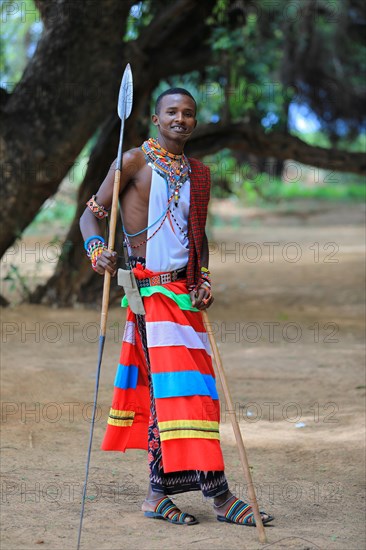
205 276
95 252
93 238
93 247
206 284
200 283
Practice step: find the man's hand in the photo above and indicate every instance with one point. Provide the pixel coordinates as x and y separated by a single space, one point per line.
107 261
202 298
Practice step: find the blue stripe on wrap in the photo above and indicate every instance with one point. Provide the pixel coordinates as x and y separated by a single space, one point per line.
211 384
183 383
126 377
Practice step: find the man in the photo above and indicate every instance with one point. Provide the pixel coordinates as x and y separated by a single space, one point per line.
165 397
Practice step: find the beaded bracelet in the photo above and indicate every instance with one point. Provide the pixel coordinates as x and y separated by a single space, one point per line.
206 284
92 248
205 276
95 250
202 282
92 238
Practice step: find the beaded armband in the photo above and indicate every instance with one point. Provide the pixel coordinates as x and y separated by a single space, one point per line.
97 209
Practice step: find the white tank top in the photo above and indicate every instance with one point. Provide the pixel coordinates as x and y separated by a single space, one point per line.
168 248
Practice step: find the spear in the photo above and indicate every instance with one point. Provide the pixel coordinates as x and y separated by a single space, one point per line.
124 108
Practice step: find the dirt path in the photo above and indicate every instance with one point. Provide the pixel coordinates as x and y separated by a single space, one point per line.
291 337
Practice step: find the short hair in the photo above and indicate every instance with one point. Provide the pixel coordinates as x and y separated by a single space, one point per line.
173 91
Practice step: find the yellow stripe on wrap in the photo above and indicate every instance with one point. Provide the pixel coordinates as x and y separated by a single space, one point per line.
203 424
180 429
188 434
120 418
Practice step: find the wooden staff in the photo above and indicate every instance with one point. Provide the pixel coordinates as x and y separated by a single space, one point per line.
237 432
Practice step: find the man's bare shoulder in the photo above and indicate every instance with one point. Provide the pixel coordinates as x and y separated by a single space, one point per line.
133 160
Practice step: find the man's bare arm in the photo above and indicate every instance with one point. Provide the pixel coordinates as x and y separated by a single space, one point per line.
89 224
203 293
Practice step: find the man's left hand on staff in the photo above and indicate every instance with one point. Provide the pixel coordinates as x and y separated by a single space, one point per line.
201 298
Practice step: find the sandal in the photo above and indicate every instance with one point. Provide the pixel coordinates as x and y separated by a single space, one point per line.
241 513
167 510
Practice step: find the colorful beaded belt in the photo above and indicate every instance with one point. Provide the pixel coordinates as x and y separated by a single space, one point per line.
163 278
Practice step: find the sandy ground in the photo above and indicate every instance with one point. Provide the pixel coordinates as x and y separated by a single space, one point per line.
289 320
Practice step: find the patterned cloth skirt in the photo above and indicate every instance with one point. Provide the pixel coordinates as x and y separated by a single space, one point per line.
165 398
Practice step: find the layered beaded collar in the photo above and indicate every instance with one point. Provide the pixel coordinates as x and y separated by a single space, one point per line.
175 169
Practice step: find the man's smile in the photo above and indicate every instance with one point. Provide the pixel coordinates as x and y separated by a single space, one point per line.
179 128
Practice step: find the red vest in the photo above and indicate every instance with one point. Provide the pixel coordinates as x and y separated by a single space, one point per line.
200 196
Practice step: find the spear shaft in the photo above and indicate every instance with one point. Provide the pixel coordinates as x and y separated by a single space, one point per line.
124 111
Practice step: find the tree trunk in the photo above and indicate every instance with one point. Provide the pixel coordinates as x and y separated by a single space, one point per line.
71 84
74 280
58 104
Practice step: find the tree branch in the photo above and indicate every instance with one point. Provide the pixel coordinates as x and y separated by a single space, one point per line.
250 138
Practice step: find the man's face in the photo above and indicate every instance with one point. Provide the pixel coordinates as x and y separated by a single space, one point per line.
176 118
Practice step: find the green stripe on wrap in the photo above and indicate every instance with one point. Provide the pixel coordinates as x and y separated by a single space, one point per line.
183 301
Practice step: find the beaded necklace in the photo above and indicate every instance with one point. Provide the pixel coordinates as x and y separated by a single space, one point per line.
177 224
175 169
163 217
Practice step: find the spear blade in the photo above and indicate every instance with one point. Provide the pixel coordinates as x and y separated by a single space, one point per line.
125 97
124 108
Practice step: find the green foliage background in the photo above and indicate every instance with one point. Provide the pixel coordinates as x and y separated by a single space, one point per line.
243 83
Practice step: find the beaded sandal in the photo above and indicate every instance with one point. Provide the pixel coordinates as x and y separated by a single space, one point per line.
167 510
241 513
